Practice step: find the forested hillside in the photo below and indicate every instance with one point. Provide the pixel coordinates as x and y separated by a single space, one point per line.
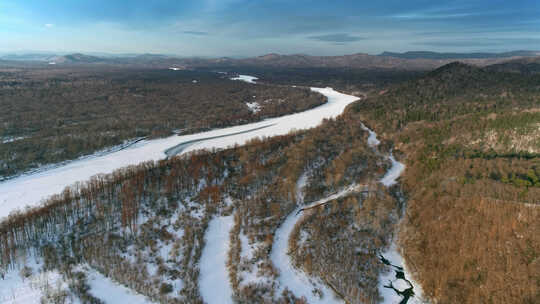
52 115
143 226
469 200
471 139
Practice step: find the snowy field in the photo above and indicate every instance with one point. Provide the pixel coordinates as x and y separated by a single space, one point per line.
16 289
214 276
29 190
246 78
109 291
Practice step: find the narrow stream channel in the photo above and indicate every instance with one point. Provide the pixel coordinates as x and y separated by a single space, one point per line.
400 281
394 285
402 289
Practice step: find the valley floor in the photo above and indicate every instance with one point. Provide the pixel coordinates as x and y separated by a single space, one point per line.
215 279
30 190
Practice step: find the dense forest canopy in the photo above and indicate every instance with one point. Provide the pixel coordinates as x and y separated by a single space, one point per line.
52 115
468 199
471 139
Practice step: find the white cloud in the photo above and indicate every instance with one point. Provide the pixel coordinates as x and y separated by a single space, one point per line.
49 25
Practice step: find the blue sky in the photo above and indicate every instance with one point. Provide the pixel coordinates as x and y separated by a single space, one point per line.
256 27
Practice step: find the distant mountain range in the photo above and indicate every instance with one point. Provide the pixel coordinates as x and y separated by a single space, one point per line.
435 55
525 65
407 61
418 60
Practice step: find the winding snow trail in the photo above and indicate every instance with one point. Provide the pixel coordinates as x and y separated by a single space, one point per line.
29 190
300 284
398 276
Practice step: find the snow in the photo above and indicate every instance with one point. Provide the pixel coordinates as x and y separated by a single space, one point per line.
254 107
29 190
294 279
247 250
372 139
111 292
9 139
389 295
249 270
250 276
246 78
392 254
13 289
390 178
401 284
196 210
165 249
214 277
300 185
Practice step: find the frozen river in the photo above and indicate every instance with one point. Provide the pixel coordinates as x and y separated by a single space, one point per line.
29 190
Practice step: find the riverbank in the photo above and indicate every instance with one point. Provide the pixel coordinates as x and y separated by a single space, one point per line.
30 190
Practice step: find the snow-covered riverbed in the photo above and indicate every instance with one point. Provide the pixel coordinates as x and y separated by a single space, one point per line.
298 282
214 277
397 277
395 285
29 190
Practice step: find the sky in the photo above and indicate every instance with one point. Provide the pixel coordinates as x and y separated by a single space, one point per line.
214 28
